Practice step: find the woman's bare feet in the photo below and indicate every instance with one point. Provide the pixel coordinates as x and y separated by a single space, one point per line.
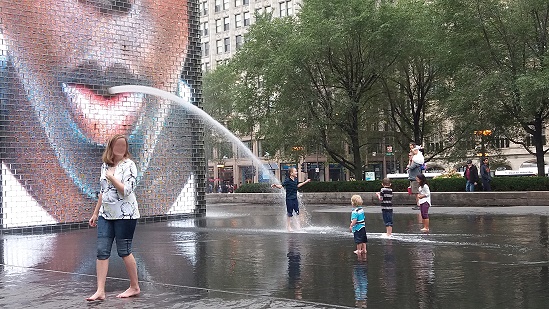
129 293
96 296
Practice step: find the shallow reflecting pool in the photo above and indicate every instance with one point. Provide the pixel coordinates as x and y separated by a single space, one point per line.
242 257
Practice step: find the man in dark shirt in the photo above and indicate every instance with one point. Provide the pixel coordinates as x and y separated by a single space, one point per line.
485 175
292 205
471 175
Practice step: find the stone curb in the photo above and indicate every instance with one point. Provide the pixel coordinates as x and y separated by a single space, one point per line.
453 199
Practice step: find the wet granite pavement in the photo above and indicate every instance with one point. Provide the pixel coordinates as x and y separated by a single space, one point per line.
241 257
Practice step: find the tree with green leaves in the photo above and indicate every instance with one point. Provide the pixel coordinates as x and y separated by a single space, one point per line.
314 79
503 49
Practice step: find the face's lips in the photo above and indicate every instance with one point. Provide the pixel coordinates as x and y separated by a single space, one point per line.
99 117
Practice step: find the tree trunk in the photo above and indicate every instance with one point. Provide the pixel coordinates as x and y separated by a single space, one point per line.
357 159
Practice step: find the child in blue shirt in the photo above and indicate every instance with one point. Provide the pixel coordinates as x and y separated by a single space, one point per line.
358 225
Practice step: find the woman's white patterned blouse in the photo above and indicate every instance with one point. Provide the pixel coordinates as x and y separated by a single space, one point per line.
115 205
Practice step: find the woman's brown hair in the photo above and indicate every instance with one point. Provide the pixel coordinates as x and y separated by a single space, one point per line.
108 155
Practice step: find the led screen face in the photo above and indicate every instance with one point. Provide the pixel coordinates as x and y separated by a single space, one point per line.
57 60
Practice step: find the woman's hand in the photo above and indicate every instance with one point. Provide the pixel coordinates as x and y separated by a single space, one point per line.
110 172
93 220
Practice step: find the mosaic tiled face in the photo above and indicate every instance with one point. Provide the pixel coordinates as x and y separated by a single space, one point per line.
62 56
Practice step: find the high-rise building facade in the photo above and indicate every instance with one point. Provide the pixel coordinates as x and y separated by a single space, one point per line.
224 23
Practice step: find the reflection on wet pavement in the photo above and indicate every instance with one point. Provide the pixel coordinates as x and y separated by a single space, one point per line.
241 257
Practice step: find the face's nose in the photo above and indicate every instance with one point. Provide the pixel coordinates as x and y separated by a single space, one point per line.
109 6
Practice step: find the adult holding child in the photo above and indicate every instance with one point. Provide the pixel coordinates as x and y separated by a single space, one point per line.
414 169
291 185
116 214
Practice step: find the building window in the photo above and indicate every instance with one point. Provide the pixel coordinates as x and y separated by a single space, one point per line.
217 6
205 66
245 2
238 21
501 142
289 8
436 146
248 144
205 49
225 4
218 26
205 29
204 7
219 44
226 45
226 23
237 2
246 19
286 8
238 40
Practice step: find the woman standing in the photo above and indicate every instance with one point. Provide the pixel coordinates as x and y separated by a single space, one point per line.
116 214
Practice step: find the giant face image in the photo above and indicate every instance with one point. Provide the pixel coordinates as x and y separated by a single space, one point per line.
61 57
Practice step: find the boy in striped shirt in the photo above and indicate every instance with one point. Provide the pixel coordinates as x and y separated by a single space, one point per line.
385 195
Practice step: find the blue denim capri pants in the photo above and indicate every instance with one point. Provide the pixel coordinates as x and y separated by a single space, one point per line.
108 230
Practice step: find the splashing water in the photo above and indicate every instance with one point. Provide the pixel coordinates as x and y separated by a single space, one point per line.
305 219
197 111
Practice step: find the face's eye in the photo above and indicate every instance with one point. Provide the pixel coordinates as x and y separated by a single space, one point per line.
109 6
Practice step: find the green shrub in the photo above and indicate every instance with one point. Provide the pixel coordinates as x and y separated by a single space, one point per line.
532 183
452 184
446 184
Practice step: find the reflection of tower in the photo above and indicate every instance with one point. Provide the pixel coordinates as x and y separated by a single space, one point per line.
389 270
294 268
544 242
423 259
360 281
